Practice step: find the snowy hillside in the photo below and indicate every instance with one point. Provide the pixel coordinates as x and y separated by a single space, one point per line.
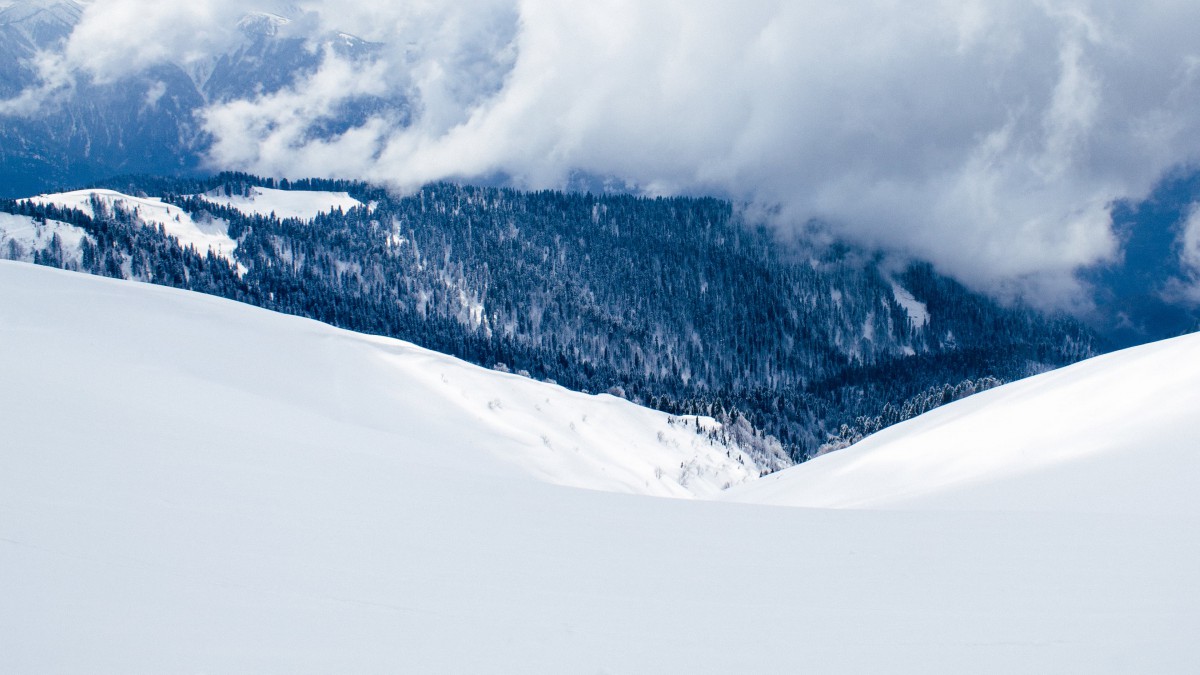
597 293
1113 434
192 485
402 393
302 204
205 235
21 237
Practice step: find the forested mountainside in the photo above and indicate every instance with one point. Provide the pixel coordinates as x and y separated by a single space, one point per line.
677 303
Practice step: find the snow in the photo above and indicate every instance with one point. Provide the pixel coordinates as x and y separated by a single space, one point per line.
205 235
599 442
266 22
192 485
918 312
1116 434
301 204
29 236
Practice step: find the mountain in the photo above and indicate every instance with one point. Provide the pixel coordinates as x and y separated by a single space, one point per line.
92 129
152 123
679 304
1112 434
189 484
365 392
149 122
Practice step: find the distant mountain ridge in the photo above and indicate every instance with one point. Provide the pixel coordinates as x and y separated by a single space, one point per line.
40 22
148 122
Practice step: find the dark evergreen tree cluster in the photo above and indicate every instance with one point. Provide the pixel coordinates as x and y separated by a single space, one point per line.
891 413
679 304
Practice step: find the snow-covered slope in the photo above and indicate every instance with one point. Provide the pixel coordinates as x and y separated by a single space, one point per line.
918 312
302 204
456 414
1113 434
191 485
207 235
22 236
211 234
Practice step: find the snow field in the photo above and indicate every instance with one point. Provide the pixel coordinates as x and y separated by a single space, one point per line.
302 204
206 235
192 485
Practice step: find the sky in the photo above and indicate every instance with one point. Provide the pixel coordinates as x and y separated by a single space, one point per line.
989 137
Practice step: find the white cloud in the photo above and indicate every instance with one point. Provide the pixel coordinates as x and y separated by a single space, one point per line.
116 37
1186 287
274 130
55 82
989 137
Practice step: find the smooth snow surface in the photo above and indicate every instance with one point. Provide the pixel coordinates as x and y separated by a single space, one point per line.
204 235
302 204
416 397
1114 434
192 485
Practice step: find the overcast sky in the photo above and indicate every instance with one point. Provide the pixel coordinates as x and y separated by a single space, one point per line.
990 137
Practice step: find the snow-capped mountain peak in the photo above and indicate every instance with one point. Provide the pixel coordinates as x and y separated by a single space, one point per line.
262 24
301 204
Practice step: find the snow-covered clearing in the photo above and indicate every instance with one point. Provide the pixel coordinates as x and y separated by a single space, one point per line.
918 312
192 485
301 204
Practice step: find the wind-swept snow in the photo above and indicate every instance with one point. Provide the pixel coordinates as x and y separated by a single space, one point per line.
302 204
192 485
205 235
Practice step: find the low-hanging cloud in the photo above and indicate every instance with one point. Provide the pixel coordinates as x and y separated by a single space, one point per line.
989 137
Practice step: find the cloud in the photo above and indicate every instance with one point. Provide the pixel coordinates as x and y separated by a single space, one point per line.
437 64
988 137
54 83
1185 288
119 37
